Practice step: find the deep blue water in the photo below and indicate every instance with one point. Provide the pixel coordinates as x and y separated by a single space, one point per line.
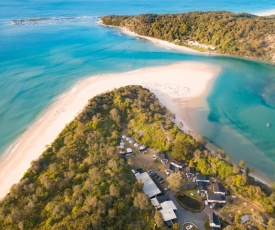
39 62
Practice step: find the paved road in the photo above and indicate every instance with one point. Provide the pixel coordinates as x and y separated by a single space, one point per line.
184 216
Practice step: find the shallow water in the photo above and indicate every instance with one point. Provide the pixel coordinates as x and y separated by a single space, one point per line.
38 62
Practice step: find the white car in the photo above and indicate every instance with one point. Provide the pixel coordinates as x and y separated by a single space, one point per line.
167 172
123 136
212 206
154 157
131 141
166 189
136 145
128 138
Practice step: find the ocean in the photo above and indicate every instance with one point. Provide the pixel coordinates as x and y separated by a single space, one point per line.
40 61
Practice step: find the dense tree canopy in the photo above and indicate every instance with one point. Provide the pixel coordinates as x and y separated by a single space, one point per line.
80 181
241 34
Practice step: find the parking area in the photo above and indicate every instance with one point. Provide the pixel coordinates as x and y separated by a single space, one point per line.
184 216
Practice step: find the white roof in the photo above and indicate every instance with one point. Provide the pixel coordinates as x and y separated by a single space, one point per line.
129 150
149 186
168 205
155 201
168 214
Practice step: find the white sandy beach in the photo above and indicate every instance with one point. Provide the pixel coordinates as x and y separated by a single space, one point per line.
182 81
157 42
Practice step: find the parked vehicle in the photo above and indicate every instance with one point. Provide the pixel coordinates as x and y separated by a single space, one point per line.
166 189
160 179
212 206
161 182
149 172
154 157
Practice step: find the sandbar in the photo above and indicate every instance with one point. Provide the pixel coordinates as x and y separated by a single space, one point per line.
175 82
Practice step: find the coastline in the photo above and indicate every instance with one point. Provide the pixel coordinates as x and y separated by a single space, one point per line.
182 84
184 49
158 42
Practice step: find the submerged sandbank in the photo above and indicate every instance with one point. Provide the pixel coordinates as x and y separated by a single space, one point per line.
182 81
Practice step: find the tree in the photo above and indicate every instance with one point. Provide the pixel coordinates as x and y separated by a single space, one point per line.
159 220
244 179
236 169
141 201
176 226
176 181
271 224
241 164
221 153
257 217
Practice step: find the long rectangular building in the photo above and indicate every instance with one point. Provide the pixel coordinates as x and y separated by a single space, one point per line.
149 186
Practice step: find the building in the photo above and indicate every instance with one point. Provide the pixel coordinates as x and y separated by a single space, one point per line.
168 214
168 204
218 188
149 186
129 151
202 188
190 172
214 221
163 158
142 148
178 166
202 178
216 198
245 218
157 200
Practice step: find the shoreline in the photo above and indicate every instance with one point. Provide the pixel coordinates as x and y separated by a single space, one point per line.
30 145
169 45
158 42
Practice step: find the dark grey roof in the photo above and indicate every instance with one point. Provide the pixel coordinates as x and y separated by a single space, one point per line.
214 219
202 186
169 223
162 198
171 167
163 156
218 187
190 170
202 177
217 197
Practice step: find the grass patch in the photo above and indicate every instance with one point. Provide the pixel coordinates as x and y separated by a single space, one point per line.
189 226
189 203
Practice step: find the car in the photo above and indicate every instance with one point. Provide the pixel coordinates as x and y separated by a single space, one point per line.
157 176
150 171
136 145
123 136
166 189
154 157
153 174
212 206
131 141
161 182
160 179
128 138
167 172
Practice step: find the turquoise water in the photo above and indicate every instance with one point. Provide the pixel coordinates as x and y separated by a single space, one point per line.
39 62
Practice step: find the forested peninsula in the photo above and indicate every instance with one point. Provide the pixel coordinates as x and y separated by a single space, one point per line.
221 32
83 181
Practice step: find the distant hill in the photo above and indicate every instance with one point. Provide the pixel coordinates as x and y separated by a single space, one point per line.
242 34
